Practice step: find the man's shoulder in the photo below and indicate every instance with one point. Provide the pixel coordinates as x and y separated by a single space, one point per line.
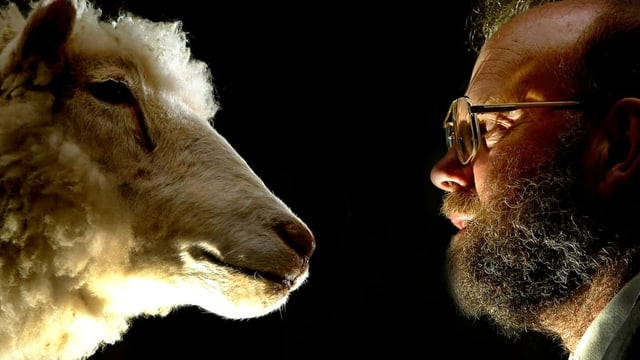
626 343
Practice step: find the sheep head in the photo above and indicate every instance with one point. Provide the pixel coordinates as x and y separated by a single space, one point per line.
118 196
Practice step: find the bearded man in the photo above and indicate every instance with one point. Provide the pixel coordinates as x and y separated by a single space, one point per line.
542 175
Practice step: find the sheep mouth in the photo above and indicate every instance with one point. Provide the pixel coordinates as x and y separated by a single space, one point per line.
201 254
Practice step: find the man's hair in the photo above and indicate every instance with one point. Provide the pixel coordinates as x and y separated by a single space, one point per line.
488 15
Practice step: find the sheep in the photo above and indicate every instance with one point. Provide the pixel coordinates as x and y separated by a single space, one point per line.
118 198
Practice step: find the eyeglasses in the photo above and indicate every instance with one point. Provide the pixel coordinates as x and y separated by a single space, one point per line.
463 131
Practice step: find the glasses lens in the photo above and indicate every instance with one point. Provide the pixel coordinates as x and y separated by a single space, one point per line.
465 130
448 127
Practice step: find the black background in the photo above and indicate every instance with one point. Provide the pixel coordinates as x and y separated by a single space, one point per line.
338 108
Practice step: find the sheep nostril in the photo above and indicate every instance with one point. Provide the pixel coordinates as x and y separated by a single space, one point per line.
298 237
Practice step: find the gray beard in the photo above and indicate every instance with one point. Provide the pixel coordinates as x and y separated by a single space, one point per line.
529 248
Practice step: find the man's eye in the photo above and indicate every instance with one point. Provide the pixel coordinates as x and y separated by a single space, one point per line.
493 130
111 91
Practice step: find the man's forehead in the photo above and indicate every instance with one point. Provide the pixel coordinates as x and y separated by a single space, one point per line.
514 56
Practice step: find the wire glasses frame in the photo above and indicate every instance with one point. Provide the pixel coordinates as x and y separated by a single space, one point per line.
463 131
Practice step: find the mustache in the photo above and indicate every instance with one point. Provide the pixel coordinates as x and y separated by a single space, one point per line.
465 202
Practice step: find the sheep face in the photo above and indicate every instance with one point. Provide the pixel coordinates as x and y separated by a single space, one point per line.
198 215
118 196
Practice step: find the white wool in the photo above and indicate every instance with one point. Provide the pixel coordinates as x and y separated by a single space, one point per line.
164 43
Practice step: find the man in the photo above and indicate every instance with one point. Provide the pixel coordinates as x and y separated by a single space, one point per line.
545 191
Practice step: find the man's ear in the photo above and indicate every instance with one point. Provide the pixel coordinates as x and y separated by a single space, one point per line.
619 161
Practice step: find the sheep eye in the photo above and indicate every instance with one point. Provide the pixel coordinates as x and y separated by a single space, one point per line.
118 93
111 91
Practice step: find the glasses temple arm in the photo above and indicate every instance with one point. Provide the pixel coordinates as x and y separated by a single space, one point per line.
515 106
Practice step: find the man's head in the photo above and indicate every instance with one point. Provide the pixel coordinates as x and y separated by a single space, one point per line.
540 206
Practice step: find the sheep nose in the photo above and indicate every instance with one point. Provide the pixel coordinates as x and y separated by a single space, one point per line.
298 237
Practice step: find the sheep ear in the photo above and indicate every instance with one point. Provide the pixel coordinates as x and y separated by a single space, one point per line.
620 161
47 30
41 42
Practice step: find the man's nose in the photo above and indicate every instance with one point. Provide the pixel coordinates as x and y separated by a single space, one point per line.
450 175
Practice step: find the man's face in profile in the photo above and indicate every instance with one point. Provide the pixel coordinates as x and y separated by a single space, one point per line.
528 245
